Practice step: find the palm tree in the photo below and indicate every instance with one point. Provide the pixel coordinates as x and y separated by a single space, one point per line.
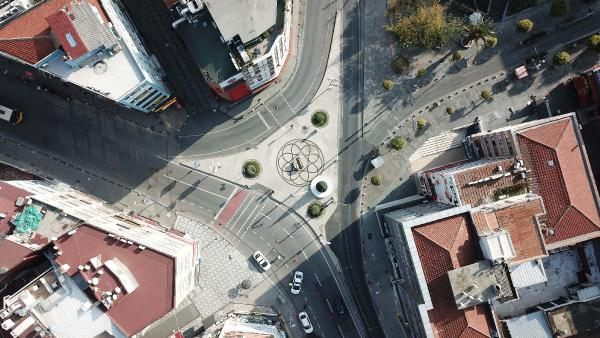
477 28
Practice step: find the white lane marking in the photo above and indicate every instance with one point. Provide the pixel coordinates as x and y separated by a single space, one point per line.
223 150
243 227
328 304
272 115
226 202
232 221
304 253
196 188
217 131
265 216
286 102
263 120
318 281
196 171
288 233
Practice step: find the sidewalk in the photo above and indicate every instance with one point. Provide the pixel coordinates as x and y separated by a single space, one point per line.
271 152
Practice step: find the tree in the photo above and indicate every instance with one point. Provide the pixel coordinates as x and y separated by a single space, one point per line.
315 209
449 110
486 94
524 25
376 180
560 8
397 143
594 42
400 65
319 118
561 58
490 41
388 84
421 123
421 72
456 56
428 26
475 31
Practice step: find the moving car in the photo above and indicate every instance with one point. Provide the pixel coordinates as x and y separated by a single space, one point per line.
297 282
261 260
305 322
340 308
11 115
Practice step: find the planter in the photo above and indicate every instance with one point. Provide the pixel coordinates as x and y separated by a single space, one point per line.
321 187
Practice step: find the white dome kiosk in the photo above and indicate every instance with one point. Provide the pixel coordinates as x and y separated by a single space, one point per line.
321 187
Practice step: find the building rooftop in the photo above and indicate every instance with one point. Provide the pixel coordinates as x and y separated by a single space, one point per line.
443 246
561 175
209 52
80 29
124 265
530 325
12 254
576 319
562 270
246 18
479 282
8 197
518 216
28 37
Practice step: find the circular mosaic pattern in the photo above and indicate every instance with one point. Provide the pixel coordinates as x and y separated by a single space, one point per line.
299 161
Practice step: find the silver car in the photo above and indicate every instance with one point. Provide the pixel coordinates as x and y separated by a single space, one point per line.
305 322
297 282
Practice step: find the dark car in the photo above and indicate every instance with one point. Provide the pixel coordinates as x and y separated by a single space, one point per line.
340 308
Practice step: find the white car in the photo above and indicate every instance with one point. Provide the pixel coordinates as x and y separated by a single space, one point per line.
262 261
305 322
297 282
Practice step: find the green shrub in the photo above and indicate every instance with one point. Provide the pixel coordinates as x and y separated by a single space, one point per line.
561 58
376 180
456 56
490 41
251 169
388 84
594 42
486 94
315 209
421 123
400 65
397 143
449 110
321 186
524 25
319 118
421 72
560 8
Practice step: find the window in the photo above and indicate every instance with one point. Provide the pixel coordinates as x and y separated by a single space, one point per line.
71 40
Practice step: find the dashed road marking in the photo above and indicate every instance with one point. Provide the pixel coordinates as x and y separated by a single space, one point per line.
263 120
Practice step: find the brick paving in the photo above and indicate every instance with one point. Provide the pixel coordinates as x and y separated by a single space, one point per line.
222 268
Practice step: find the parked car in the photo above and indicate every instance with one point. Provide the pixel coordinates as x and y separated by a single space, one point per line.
340 308
261 260
297 282
305 322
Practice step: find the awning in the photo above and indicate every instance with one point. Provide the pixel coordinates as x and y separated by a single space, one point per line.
521 72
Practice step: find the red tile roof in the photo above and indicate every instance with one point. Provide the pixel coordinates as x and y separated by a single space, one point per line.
154 272
8 197
443 246
12 254
28 36
61 26
553 153
520 222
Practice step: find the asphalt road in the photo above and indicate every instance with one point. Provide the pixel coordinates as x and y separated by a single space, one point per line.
344 226
79 140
